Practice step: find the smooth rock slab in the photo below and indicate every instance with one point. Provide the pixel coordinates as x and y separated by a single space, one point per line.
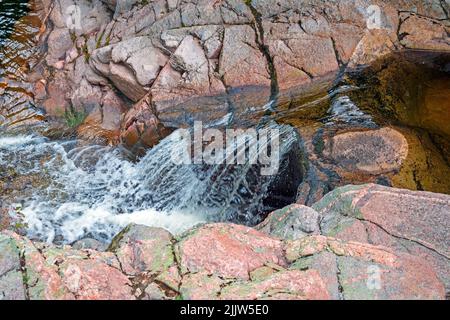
375 152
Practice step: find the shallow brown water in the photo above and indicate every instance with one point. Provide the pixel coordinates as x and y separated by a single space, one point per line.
19 29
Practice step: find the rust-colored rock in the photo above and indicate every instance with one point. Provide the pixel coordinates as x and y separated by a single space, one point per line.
141 127
285 285
375 152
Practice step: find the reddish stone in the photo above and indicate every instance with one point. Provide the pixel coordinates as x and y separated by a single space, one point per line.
141 126
286 285
228 250
410 221
94 280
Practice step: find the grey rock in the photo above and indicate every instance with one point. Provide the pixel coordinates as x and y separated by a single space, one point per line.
89 243
11 286
141 56
292 222
413 222
11 278
80 16
59 42
9 255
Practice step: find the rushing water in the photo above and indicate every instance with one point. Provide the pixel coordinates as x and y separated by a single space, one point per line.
95 190
65 190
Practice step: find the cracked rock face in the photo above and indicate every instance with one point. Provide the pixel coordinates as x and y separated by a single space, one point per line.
201 60
132 65
372 242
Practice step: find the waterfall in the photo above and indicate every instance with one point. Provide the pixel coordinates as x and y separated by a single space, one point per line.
94 191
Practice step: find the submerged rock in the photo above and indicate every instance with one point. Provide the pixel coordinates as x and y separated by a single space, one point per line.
374 152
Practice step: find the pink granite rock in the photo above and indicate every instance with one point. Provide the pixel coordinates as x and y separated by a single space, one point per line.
411 221
228 250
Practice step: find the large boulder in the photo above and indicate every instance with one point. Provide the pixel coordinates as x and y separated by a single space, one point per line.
132 65
413 222
227 250
143 249
374 152
361 271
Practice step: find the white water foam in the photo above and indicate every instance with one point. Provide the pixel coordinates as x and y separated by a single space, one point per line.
7 142
94 191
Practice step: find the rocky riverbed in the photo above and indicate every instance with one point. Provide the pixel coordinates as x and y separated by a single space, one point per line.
92 93
358 242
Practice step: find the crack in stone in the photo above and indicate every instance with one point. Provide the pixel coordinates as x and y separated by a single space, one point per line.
23 269
177 264
443 5
264 49
339 280
405 238
336 53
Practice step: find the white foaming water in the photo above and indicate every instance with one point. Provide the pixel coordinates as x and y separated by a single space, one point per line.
103 221
90 190
6 142
94 191
344 110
